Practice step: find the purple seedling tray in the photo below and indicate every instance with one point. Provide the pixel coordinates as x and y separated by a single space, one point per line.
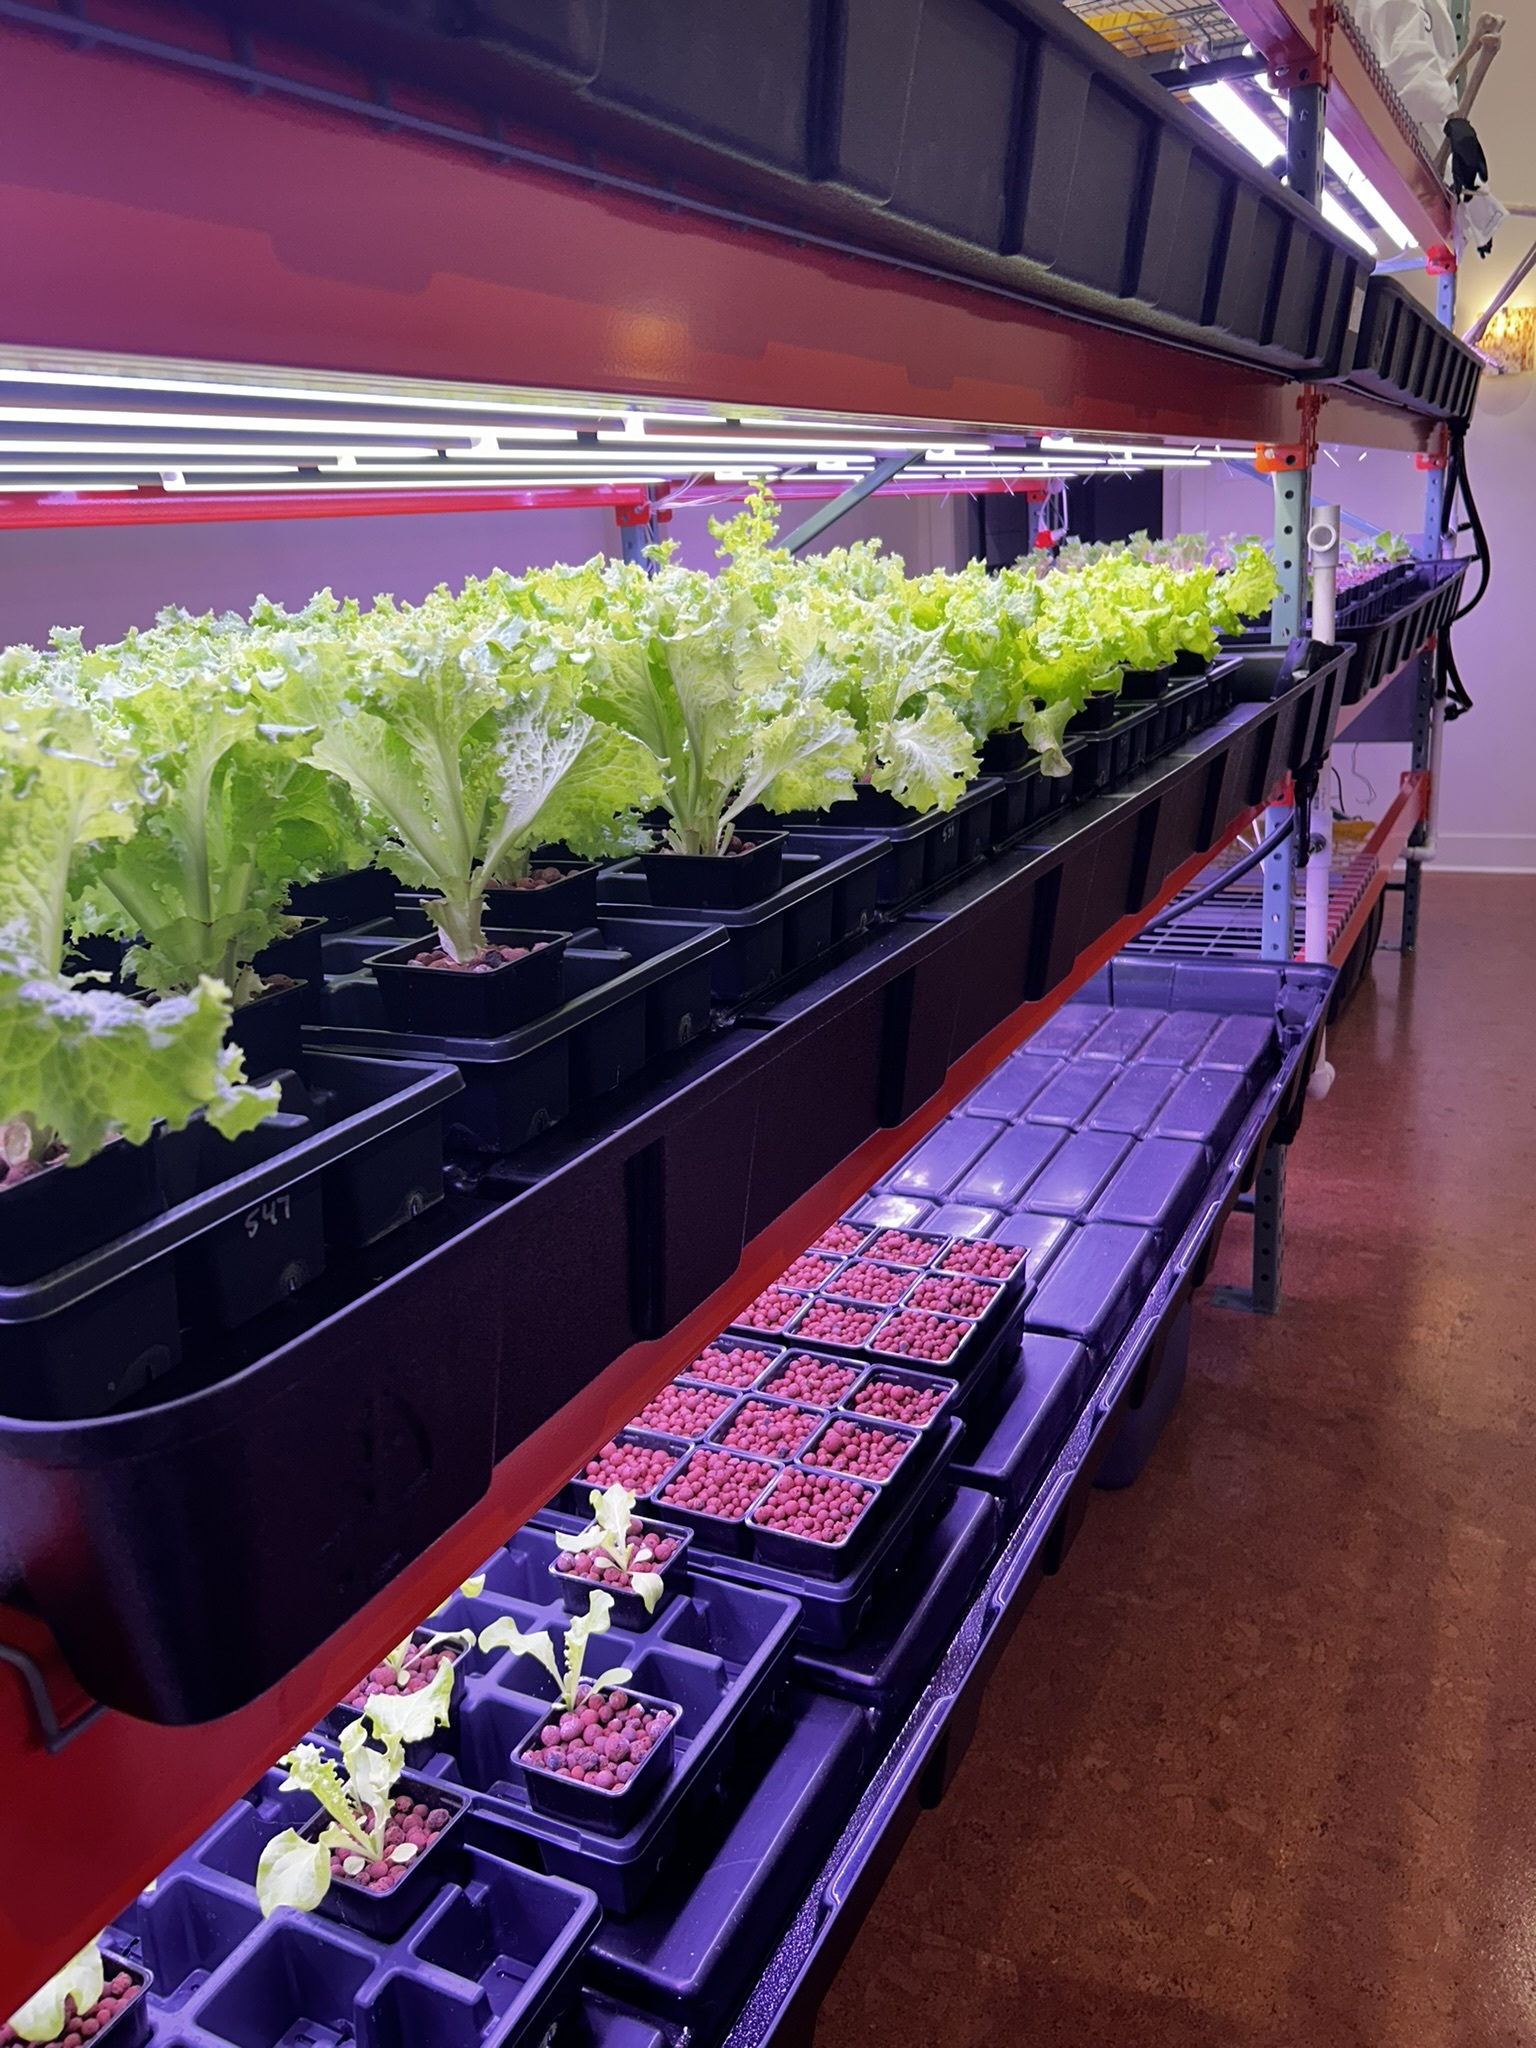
1157 1189
813 1414
1178 1039
490 1961
720 1653
1134 1101
1122 1034
1041 1238
964 1219
1071 1098
1206 1109
1092 1290
1010 1091
1061 1035
1245 1045
892 1212
939 1163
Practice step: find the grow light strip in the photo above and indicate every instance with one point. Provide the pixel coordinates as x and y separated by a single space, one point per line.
1230 111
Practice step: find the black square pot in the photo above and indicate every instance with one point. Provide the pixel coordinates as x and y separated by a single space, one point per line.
629 1609
569 905
298 956
716 881
592 1809
384 1916
1138 685
342 901
457 1005
270 1031
60 1214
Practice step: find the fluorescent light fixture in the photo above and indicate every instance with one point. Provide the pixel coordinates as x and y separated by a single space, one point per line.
1233 113
1348 225
254 423
1359 186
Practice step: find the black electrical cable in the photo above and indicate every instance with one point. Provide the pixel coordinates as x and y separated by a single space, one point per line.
1458 697
1233 874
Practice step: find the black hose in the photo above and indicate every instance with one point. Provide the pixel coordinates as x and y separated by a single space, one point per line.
1233 874
1458 699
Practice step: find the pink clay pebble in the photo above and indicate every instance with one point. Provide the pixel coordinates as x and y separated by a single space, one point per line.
683 1411
953 1294
769 1431
728 1365
903 1248
817 1380
977 1255
639 1467
833 1323
813 1505
810 1271
866 1281
912 1334
895 1401
840 1239
772 1310
718 1483
862 1452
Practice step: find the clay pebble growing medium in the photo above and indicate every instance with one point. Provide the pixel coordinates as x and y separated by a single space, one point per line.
817 1380
650 1554
989 1261
412 1822
954 1294
858 1449
680 1410
831 1322
911 1333
415 1675
637 1467
774 1309
480 963
117 1992
866 1281
895 1401
719 1483
904 1248
602 1742
808 1272
730 1365
766 1430
815 1505
840 1239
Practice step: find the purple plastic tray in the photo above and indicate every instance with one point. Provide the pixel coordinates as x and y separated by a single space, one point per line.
1010 1448
1078 1173
1157 1188
1206 1108
690 1954
1244 1044
1177 1040
1093 1289
1074 1094
1061 1035
490 1962
939 1163
964 1219
892 1212
1041 1236
1010 1163
1122 1034
1134 1101
1010 1091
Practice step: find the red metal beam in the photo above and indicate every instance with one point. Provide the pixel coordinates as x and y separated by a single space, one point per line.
88 1828
144 211
1386 845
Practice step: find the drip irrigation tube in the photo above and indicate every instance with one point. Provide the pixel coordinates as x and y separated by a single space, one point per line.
1233 874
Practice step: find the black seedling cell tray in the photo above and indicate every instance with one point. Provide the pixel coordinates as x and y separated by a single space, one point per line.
637 989
767 942
1403 353
721 1652
246 1223
832 1610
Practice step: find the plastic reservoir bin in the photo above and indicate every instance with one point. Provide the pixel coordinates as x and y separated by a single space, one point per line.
1135 1099
1010 1091
1009 1450
1010 1163
1075 1093
1157 1189
1078 1173
1139 1432
1093 1290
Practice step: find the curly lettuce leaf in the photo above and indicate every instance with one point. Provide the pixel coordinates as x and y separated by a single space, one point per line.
91 1066
43 2017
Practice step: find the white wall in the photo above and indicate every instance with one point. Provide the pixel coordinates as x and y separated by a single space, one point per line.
105 579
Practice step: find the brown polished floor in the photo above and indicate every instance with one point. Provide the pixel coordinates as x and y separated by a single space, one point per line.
1259 1768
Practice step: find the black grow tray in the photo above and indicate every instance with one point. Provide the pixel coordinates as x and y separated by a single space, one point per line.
919 851
1011 146
637 989
827 899
1403 353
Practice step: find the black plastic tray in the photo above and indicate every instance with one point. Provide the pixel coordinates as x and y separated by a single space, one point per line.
1403 353
637 989
787 933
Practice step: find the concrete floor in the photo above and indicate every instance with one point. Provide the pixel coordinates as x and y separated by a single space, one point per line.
1259 1767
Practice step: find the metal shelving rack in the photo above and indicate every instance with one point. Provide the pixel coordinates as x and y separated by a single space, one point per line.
172 188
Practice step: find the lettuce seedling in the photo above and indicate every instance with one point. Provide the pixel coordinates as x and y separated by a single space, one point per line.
45 2015
412 1716
506 1635
295 1872
612 1511
78 1064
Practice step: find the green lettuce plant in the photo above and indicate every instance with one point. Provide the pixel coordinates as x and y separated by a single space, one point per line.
74 1989
506 1635
80 1065
295 1872
412 1716
612 1511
